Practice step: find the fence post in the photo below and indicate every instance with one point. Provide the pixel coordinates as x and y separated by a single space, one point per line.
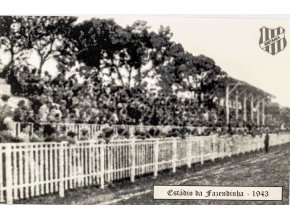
102 164
61 170
1 176
223 147
229 146
78 131
133 160
156 151
17 124
213 142
131 131
201 145
251 146
174 154
188 153
226 148
255 146
9 187
31 129
259 143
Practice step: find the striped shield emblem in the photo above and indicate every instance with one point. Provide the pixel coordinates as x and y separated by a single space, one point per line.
272 40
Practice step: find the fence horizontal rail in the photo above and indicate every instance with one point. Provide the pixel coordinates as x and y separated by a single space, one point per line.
33 169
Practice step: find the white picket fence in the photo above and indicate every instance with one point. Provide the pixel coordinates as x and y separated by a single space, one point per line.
34 169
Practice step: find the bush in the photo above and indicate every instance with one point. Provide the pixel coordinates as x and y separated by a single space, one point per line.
7 137
5 98
48 130
35 139
84 133
21 104
122 131
108 132
2 126
53 138
71 134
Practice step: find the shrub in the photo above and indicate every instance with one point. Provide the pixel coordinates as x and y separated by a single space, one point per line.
5 136
53 138
108 132
35 139
71 134
48 130
5 98
2 126
63 128
21 104
84 132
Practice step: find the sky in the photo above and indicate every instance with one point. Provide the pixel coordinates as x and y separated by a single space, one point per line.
232 43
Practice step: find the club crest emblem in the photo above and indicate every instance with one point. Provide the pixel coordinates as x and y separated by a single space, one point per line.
272 40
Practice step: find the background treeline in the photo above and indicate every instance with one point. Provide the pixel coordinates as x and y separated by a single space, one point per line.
102 52
127 55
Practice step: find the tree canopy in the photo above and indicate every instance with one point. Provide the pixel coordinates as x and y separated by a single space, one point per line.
134 56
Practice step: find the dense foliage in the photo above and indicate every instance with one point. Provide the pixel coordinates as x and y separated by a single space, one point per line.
108 73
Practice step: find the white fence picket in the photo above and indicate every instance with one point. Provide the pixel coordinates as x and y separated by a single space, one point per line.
21 177
61 170
1 176
155 160
133 160
102 165
174 154
9 178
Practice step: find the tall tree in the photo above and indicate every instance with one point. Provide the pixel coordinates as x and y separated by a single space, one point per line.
97 40
48 36
12 37
285 115
199 74
145 53
210 80
126 55
14 43
172 69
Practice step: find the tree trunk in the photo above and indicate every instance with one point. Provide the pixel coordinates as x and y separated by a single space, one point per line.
129 79
8 68
40 67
